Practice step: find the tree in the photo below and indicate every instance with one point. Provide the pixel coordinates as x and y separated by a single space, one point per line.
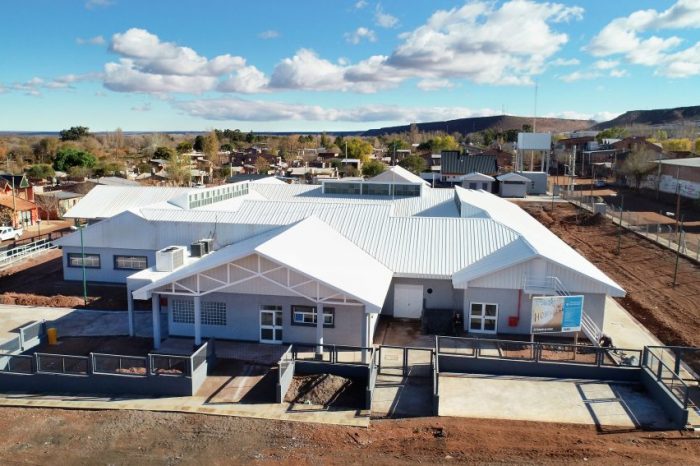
211 146
677 145
48 206
198 143
184 147
414 163
396 144
250 137
373 168
359 149
78 171
612 133
179 169
639 163
697 146
163 152
68 157
325 141
74 133
40 171
261 165
350 170
226 147
45 149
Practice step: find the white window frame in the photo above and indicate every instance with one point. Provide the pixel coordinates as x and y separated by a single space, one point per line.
89 258
275 310
308 318
183 311
132 262
468 320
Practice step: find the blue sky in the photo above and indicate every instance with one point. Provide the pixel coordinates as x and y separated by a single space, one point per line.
334 65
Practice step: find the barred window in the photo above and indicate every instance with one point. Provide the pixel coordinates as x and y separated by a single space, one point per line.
183 311
130 262
213 313
92 261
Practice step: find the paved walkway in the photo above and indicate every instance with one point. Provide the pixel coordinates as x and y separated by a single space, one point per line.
549 400
625 330
73 322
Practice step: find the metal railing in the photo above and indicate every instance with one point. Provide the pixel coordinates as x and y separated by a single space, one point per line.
334 354
62 364
548 284
591 329
668 377
11 345
199 357
117 364
17 364
538 352
170 365
19 253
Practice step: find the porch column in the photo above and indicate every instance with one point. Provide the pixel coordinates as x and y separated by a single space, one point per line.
365 335
319 329
130 311
155 310
197 320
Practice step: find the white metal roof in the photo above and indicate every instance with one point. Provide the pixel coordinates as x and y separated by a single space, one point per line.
348 269
398 174
691 162
107 201
476 176
512 176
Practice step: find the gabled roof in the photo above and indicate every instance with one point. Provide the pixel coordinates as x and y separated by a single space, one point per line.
454 163
107 201
348 269
475 176
398 174
512 176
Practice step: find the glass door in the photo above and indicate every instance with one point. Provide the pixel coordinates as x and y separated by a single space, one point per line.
271 324
483 317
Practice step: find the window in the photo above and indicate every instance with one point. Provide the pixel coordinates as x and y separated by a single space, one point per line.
92 261
183 311
213 313
130 262
306 315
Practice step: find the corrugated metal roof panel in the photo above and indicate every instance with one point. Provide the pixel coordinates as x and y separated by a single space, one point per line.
108 201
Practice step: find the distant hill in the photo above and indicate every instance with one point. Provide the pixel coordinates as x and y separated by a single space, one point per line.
502 122
663 116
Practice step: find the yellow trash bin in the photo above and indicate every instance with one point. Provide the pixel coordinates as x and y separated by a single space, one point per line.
52 335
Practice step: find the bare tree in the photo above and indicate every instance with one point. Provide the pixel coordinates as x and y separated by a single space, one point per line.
49 206
638 164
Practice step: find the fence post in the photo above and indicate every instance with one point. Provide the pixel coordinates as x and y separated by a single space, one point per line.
91 363
658 370
405 362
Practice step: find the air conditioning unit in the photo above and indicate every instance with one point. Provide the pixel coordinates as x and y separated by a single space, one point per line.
170 258
208 245
197 249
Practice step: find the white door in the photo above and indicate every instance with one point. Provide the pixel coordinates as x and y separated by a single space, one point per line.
408 301
483 318
271 324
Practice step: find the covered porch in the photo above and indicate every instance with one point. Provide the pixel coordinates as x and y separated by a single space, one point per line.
267 289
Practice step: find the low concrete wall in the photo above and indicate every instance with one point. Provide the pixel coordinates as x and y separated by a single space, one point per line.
673 408
104 384
284 381
470 365
342 370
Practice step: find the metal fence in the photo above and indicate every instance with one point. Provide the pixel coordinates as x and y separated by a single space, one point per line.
11 345
17 364
334 354
406 361
663 233
118 364
170 365
538 351
19 253
62 364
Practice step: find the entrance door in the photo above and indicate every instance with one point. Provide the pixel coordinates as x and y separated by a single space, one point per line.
483 317
408 301
271 324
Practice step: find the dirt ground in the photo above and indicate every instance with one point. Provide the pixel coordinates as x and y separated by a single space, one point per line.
643 268
39 282
326 390
40 436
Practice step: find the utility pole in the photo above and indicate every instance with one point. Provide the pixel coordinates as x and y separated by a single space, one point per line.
678 195
678 254
619 228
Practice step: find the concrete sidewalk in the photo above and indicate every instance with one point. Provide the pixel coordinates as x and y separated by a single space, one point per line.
593 402
626 331
73 322
192 404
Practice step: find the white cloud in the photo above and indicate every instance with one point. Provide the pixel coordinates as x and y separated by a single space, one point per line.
618 73
145 107
360 4
434 84
606 64
147 64
626 36
565 62
249 110
574 115
580 75
385 20
246 80
359 34
97 40
35 85
92 4
269 34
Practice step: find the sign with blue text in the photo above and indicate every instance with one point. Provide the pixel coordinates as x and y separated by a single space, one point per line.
555 314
